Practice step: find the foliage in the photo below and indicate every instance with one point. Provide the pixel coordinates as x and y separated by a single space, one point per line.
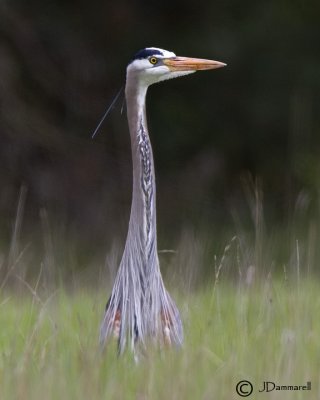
258 331
61 64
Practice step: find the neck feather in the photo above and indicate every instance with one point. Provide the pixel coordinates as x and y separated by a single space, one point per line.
144 189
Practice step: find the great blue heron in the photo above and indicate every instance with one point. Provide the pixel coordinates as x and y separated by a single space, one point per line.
140 308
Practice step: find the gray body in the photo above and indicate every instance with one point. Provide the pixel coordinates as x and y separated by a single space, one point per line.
140 309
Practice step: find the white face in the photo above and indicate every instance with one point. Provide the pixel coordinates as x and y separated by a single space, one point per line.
152 69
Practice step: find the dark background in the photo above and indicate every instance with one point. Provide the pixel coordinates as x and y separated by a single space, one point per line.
221 139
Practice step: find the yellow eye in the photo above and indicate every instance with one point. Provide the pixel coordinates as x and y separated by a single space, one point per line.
153 60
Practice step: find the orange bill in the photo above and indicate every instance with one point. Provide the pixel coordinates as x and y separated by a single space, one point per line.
191 64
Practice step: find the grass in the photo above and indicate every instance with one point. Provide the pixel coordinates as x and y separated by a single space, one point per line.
257 319
260 332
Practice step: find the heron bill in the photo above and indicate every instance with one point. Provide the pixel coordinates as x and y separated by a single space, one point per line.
191 64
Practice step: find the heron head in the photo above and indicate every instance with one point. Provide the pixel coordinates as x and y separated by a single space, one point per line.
152 65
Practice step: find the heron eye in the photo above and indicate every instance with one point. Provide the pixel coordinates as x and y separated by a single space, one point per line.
153 60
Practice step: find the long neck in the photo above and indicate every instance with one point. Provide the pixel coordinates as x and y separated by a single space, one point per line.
143 209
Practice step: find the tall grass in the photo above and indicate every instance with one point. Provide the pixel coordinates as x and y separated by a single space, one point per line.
264 332
246 316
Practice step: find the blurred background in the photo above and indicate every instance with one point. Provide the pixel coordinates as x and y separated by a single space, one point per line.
236 150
